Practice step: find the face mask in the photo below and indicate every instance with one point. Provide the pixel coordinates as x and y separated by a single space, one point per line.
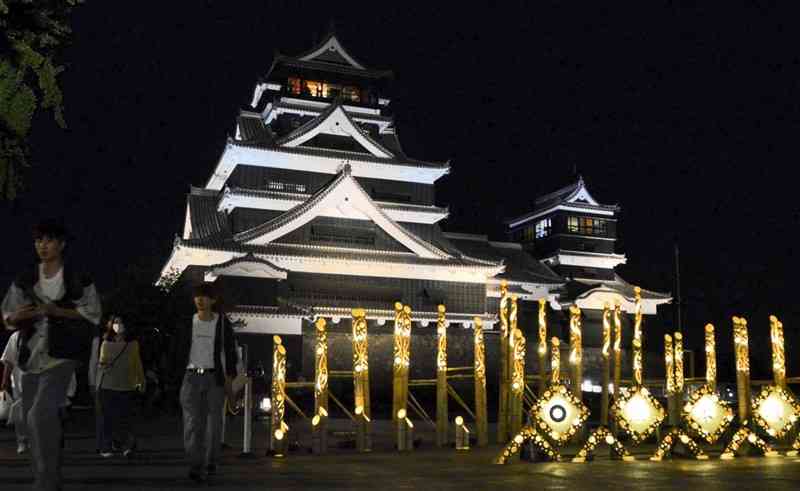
118 327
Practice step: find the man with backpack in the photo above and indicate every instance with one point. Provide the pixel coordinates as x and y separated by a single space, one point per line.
53 307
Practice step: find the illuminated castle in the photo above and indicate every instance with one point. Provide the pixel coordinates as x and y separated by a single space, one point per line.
314 208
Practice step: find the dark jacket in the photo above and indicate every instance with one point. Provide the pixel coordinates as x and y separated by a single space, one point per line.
68 338
182 348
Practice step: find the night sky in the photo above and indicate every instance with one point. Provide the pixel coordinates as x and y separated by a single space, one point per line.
688 118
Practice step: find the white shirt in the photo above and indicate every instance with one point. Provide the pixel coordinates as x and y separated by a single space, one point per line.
49 289
203 334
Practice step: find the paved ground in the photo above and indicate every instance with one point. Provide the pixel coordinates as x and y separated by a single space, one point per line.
159 465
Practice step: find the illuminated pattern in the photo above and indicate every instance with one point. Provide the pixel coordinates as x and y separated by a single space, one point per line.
711 358
637 338
637 413
504 298
527 433
360 360
672 438
575 338
278 390
402 338
402 355
747 435
542 328
678 362
555 362
740 342
669 364
321 383
480 363
441 331
775 410
706 415
778 356
617 348
558 414
602 435
606 350
480 384
518 374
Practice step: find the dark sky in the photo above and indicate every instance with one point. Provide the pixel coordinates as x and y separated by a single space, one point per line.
686 117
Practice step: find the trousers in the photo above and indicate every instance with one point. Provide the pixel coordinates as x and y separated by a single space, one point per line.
113 419
202 401
42 395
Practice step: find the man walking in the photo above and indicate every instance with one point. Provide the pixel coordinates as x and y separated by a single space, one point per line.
52 307
204 354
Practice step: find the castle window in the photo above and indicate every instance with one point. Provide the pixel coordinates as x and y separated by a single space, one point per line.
587 226
286 187
316 88
543 228
527 234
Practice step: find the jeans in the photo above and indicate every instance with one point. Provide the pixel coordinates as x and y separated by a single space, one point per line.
202 401
42 394
113 419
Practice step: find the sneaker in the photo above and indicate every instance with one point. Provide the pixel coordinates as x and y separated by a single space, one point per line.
197 476
106 455
127 452
22 448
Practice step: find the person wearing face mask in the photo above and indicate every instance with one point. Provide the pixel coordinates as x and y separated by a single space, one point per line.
118 376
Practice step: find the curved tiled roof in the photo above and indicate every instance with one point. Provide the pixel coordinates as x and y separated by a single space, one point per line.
340 154
317 198
323 116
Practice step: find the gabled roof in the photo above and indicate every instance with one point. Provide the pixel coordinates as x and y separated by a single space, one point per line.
330 50
590 294
247 266
576 196
343 191
334 120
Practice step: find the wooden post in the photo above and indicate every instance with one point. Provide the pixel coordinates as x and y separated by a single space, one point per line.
576 352
778 356
542 345
555 361
279 428
742 351
402 356
711 358
679 374
606 354
502 405
320 429
442 425
481 418
517 381
638 364
617 317
669 375
361 371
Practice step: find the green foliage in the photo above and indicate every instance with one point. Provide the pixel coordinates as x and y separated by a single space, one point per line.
32 33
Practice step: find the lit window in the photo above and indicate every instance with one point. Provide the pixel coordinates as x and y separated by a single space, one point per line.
543 228
586 226
527 234
295 85
316 88
287 187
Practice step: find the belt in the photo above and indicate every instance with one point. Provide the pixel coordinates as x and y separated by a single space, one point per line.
201 371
